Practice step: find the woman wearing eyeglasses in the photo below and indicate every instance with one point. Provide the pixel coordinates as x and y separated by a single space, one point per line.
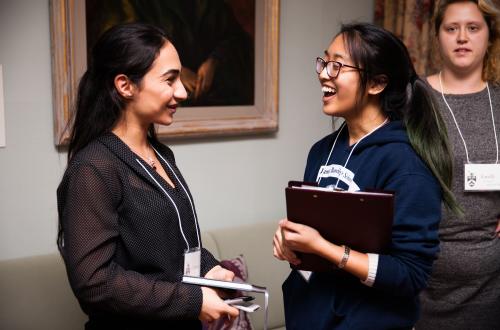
464 289
392 139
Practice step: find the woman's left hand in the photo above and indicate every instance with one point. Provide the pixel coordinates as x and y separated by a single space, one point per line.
497 231
300 237
219 273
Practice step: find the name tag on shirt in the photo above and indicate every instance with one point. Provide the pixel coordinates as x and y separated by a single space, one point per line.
482 177
192 259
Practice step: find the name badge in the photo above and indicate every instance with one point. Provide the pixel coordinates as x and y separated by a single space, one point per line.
192 259
482 177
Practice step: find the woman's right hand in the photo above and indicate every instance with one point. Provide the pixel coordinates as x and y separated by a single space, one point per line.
281 251
213 307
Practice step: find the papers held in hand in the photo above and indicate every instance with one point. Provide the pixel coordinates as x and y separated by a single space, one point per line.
247 305
216 283
202 281
360 220
244 303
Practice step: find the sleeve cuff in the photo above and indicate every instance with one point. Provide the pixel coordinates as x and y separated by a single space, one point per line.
372 269
208 262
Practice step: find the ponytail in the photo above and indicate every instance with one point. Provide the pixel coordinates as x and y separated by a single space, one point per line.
98 107
428 136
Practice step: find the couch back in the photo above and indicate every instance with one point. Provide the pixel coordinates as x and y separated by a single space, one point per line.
35 294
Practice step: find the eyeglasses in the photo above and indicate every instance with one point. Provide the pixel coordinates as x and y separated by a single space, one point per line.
332 67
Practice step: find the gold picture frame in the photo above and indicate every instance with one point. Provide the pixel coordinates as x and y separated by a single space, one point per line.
68 49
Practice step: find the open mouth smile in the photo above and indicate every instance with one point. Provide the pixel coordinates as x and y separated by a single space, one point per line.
328 91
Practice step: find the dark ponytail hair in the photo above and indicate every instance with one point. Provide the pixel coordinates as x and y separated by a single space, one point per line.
128 49
406 97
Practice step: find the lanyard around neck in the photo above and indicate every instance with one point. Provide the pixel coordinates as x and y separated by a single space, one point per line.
172 201
456 123
350 153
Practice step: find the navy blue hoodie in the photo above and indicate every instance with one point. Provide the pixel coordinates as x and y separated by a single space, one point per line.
383 160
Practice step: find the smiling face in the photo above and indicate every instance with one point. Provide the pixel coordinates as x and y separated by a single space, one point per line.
340 94
463 37
157 96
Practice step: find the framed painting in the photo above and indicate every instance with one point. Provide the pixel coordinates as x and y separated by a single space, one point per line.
242 93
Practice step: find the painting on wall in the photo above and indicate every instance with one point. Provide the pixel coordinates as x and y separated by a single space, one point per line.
228 49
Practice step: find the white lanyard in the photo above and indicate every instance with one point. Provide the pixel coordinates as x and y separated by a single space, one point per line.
169 197
456 124
348 157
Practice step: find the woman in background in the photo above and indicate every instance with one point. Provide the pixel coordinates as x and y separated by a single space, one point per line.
392 139
128 229
464 289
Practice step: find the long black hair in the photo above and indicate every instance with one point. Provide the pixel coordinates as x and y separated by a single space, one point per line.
128 49
406 97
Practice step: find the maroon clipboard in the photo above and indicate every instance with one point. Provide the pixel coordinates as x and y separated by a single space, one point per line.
360 220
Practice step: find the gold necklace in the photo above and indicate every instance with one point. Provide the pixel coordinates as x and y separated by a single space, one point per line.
151 162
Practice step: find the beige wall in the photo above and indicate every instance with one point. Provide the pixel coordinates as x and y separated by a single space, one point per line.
233 180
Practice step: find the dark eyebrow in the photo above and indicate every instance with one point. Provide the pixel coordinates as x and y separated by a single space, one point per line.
335 56
174 72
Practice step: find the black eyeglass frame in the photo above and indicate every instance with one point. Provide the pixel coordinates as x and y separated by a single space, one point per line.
324 64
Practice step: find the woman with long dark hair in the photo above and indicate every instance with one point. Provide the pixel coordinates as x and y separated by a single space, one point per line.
464 288
392 139
128 229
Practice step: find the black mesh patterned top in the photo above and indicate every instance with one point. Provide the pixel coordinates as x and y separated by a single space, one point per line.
122 240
